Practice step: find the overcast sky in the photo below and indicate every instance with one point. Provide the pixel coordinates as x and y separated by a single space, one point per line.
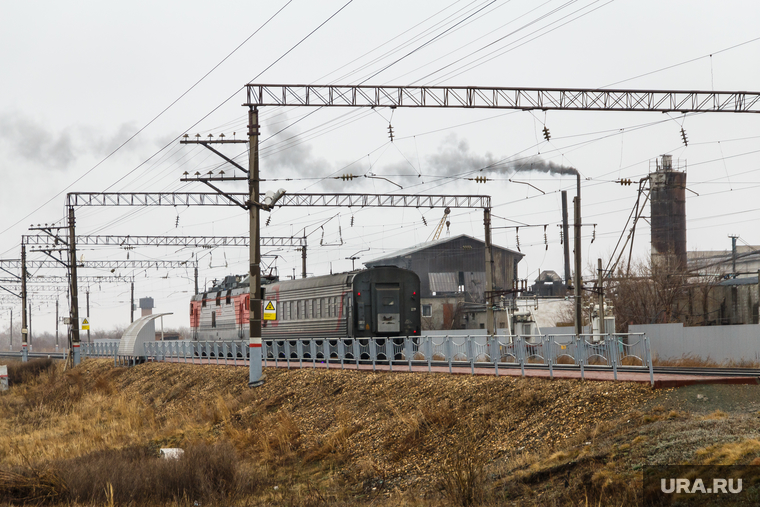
79 79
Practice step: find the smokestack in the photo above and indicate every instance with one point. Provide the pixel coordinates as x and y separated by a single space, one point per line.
668 210
565 238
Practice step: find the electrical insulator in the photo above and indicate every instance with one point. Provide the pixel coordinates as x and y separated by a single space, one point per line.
269 219
547 135
352 220
480 179
424 221
561 238
546 240
390 131
176 222
517 238
625 181
593 234
683 136
347 177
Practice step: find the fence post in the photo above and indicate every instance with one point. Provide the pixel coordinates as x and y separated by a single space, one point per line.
448 351
493 345
470 353
550 358
409 349
429 352
649 360
614 357
389 352
341 352
521 353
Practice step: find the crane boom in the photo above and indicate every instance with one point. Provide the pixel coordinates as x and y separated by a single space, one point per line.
439 229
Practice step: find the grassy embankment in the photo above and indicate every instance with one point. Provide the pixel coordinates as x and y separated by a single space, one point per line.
90 436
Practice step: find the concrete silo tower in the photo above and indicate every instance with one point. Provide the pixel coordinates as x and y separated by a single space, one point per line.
668 206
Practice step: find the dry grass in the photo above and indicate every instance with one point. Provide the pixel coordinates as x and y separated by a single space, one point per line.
733 453
20 373
694 361
322 437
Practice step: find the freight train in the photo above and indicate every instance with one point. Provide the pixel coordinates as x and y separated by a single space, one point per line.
380 301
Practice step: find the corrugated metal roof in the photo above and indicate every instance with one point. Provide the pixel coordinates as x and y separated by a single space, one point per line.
443 282
425 246
751 280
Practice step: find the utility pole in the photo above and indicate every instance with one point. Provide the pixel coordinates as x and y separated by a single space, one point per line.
24 329
600 281
578 278
11 330
73 288
56 325
254 315
490 328
303 257
565 238
733 254
132 299
30 324
196 280
88 315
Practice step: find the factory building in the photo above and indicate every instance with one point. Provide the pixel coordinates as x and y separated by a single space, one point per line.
548 285
453 279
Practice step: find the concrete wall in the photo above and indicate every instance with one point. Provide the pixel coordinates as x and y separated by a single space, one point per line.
718 343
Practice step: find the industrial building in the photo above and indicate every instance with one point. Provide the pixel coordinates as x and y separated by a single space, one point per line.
668 209
453 279
548 284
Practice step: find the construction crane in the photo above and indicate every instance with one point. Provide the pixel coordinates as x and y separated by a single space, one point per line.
439 229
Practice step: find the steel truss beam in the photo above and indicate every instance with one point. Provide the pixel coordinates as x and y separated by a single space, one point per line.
64 279
136 264
7 298
475 97
329 200
43 240
39 288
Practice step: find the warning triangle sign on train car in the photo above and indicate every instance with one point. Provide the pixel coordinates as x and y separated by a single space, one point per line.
270 312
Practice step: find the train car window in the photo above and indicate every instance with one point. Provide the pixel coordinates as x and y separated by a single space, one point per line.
219 299
213 319
299 310
229 297
205 297
318 308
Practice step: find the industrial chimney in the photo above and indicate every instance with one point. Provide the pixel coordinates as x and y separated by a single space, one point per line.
668 206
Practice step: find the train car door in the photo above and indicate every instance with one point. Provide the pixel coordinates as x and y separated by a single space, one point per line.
386 297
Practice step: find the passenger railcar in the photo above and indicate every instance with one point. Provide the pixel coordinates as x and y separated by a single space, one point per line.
380 301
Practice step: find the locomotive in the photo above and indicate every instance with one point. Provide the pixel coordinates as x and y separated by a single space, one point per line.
380 301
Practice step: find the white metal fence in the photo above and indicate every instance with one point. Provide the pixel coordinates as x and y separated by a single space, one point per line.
551 352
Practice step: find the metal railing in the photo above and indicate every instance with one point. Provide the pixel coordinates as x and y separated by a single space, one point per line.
444 353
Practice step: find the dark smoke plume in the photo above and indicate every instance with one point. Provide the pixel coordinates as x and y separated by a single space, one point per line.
455 158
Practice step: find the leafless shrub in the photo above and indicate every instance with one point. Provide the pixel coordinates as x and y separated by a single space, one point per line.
464 476
135 475
20 373
31 485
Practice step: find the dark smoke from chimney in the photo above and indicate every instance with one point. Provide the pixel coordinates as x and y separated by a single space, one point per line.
454 158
